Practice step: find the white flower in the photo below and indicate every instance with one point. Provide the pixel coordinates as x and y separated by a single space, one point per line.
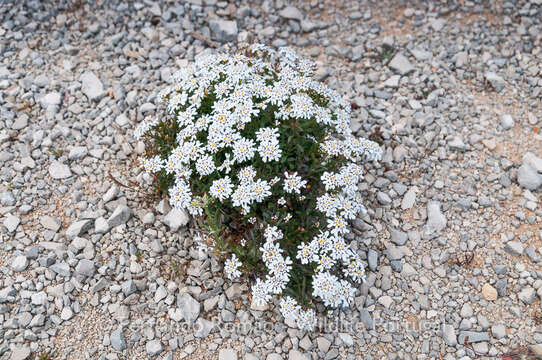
272 233
338 225
260 190
267 135
232 114
330 180
306 320
307 253
180 195
325 262
246 174
222 188
322 241
260 293
276 284
231 267
269 151
226 165
355 270
281 267
339 250
205 165
293 183
327 204
242 196
289 308
202 246
153 164
271 252
243 150
302 105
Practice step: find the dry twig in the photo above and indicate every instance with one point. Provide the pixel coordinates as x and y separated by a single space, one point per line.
204 39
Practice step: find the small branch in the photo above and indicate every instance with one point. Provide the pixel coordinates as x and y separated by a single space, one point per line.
204 39
467 259
513 355
132 187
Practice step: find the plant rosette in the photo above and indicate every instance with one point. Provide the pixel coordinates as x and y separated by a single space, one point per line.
263 156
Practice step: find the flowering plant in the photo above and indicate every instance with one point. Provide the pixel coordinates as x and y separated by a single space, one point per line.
264 155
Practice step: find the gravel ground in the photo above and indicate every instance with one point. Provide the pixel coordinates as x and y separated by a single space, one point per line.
91 269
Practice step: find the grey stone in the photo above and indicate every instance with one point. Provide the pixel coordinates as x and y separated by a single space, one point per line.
501 286
296 355
385 301
527 295
436 221
59 171
148 218
160 294
99 286
227 354
495 80
291 13
372 259
507 121
7 294
401 64
500 269
223 30
473 337
7 198
366 319
11 222
533 161
154 347
421 55
51 99
78 228
91 86
101 225
529 178
62 269
111 194
346 339
77 153
323 344
203 328
449 335
398 237
20 263
514 248
189 306
117 339
393 81
147 107
234 291
20 353
66 313
394 253
50 223
498 331
128 287
408 199
466 311
120 216
437 24
457 143
85 267
383 198
176 219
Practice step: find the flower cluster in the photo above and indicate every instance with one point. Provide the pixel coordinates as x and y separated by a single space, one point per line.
253 139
